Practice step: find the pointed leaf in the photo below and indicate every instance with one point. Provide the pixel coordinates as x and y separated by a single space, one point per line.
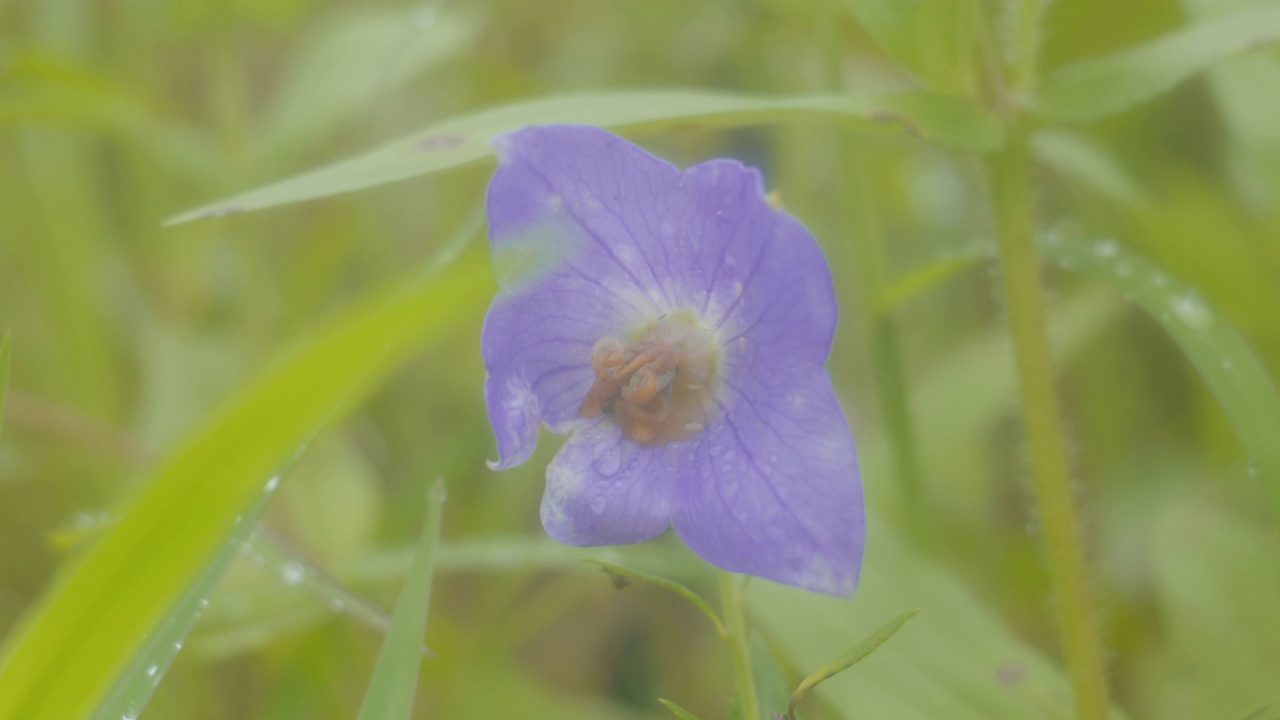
63 658
395 679
848 660
947 120
677 710
1091 89
1223 358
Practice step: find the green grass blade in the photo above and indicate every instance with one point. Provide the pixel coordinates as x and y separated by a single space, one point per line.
134 687
619 573
63 659
4 373
1222 357
677 710
1092 89
947 120
395 679
864 648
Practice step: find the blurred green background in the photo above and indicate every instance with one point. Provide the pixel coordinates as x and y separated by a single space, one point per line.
127 335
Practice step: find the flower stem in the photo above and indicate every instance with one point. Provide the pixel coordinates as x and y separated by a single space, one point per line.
1024 296
733 602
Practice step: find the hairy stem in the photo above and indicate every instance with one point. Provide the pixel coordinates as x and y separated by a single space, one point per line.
1024 297
733 602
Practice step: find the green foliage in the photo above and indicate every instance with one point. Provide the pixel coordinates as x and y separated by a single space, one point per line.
395 679
465 139
64 660
1092 89
852 657
1217 350
151 395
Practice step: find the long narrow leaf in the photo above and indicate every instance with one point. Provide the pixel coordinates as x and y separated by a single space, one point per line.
395 679
1223 358
944 119
65 656
864 648
1092 89
135 686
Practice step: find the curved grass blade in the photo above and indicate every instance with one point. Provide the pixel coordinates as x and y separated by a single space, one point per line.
620 574
395 679
1222 357
63 658
944 119
847 660
1092 89
677 710
4 373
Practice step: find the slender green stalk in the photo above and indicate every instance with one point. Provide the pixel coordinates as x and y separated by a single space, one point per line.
860 223
1024 297
1012 196
733 602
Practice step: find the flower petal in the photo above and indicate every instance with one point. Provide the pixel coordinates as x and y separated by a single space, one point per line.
766 284
774 490
537 352
605 490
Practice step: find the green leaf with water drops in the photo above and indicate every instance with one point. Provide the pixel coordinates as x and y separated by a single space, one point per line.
855 654
1092 89
133 688
65 655
395 679
677 710
4 372
947 120
1222 357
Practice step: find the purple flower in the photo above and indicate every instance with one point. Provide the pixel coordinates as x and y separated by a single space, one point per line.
675 325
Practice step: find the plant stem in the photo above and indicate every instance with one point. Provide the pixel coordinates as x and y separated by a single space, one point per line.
1024 297
733 602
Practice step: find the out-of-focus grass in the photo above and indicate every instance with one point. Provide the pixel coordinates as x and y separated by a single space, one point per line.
115 116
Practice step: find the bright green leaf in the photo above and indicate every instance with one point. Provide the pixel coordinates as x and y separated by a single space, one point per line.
1223 358
63 658
959 662
395 679
855 654
950 121
133 688
1092 89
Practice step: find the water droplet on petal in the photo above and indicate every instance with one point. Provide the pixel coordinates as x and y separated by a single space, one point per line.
597 505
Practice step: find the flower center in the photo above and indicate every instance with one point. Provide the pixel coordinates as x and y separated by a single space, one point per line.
658 387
